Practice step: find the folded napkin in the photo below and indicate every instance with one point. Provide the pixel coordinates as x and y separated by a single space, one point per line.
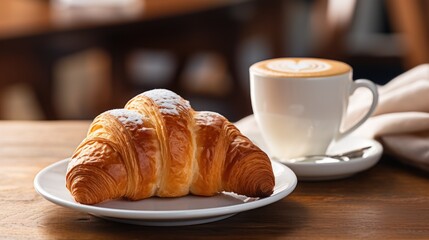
400 122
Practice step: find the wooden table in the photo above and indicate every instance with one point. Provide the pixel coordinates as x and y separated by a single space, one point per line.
389 201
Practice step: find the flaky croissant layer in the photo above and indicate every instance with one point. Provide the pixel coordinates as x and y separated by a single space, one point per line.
159 146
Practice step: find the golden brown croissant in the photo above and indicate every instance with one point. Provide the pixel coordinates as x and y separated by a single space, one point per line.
159 146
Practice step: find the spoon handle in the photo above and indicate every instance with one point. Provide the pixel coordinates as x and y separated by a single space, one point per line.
338 157
353 153
350 154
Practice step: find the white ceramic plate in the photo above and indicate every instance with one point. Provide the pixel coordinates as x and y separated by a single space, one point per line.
188 210
310 171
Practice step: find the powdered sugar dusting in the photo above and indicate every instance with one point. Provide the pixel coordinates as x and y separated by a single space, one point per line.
168 101
126 116
209 117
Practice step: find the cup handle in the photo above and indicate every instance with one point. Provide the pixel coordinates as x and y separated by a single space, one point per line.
373 88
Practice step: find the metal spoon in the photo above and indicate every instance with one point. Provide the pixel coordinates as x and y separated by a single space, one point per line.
342 157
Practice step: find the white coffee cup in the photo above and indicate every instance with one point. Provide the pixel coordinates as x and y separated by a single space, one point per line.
300 103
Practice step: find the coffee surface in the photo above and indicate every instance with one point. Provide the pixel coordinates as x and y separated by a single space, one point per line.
299 67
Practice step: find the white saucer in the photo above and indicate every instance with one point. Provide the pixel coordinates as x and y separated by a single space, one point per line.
336 170
310 171
188 210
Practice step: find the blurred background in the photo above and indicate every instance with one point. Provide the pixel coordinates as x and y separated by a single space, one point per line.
73 59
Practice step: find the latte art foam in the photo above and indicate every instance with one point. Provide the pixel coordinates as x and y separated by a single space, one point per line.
299 68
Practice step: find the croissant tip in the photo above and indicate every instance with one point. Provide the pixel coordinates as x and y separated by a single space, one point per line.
84 196
265 194
266 189
83 200
88 189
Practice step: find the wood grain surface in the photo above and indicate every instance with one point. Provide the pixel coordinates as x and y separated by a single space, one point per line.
389 201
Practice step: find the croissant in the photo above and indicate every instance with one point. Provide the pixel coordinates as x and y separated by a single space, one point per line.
159 146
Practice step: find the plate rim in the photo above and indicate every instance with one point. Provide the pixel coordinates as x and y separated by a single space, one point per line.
164 214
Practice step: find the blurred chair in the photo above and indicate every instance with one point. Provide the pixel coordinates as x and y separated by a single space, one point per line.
411 18
216 31
333 20
183 37
33 63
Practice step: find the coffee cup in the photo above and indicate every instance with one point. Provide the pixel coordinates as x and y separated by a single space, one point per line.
301 103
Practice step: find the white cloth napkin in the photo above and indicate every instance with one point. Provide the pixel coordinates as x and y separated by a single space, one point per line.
400 121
